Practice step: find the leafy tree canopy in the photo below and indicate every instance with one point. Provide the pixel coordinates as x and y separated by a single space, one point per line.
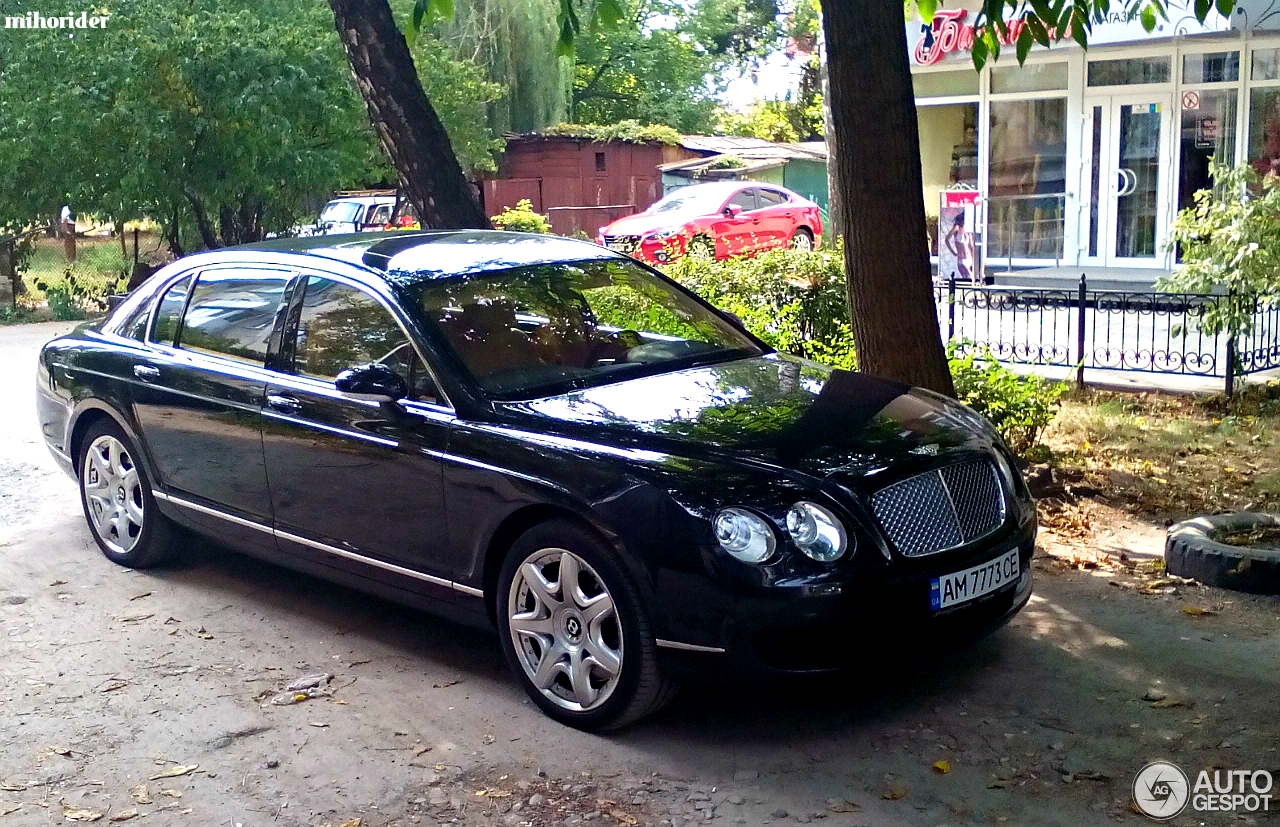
222 116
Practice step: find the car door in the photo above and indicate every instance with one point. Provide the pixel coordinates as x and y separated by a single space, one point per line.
774 218
355 484
198 394
734 232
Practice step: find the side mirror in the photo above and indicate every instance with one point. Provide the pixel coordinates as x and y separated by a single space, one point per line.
732 210
372 382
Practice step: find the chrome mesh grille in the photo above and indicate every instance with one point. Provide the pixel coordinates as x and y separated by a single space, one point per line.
941 509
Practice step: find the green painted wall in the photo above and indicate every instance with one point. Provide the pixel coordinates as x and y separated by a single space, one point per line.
809 178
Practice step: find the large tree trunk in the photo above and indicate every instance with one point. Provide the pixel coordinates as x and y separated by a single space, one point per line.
895 323
409 129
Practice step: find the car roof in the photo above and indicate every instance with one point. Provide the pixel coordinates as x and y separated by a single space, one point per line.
413 256
364 199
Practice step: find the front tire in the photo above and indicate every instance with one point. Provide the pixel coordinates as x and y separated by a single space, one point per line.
574 629
117 500
702 248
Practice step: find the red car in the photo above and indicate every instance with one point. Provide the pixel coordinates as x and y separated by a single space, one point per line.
721 219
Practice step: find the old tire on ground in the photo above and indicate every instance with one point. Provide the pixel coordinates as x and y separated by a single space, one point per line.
571 618
1193 550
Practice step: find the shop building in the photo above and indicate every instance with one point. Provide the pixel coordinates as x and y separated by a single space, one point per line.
1081 160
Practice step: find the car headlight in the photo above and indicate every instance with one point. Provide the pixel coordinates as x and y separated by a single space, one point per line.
665 233
816 531
744 535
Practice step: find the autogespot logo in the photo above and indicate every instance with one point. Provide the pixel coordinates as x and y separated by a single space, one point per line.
1161 790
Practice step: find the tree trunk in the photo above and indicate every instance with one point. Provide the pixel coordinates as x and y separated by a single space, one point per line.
895 323
408 127
835 217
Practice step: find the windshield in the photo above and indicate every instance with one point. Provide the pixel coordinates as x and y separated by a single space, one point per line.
537 331
340 211
692 199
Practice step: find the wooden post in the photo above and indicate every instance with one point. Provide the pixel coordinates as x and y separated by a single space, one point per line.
8 277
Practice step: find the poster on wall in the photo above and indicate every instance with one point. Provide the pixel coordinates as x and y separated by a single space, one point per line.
958 240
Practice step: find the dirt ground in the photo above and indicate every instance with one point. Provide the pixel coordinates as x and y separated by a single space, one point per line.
146 697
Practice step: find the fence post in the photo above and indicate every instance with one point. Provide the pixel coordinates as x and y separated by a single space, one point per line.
1080 312
8 280
951 307
1231 347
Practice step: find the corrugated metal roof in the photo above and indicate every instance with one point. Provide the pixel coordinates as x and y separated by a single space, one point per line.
754 147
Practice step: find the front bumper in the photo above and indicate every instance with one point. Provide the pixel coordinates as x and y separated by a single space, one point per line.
807 628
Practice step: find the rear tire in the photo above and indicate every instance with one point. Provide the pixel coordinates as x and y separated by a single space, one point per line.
802 240
117 500
585 654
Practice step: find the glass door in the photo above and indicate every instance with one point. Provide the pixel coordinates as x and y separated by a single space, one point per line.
1127 146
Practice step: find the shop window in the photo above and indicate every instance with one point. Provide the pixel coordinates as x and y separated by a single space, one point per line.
1266 64
1208 131
1211 67
1125 71
948 154
1034 77
937 84
1264 129
1027 186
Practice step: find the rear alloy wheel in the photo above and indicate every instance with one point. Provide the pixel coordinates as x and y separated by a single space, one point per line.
117 501
575 633
802 240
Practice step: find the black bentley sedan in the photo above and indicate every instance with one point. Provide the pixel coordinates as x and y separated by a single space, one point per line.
545 435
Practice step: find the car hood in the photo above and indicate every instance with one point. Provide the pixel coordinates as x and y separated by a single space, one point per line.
645 223
776 411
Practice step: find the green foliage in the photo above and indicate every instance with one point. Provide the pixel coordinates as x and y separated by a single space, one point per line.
783 121
1230 241
648 70
461 94
74 294
726 161
220 118
1020 407
630 131
522 219
793 300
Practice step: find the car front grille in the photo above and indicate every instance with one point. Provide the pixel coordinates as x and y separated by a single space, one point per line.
942 508
622 243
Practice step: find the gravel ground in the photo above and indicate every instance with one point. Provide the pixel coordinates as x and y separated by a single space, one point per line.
147 697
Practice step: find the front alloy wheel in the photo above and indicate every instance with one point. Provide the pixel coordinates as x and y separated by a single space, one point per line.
576 630
565 629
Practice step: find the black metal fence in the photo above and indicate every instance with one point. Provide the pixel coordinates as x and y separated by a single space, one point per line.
1121 330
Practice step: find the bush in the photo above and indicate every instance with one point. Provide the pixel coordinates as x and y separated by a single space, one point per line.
793 300
522 219
76 295
1020 407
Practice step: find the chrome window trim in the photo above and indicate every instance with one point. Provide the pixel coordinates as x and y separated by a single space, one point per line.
686 647
461 588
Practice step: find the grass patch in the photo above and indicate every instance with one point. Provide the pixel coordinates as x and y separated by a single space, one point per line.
1164 457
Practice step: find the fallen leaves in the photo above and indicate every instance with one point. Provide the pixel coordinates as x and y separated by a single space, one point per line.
1198 611
942 767
624 818
140 794
895 791
124 815
79 814
175 771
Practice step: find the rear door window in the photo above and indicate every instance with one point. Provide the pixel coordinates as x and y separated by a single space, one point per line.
232 313
770 198
169 312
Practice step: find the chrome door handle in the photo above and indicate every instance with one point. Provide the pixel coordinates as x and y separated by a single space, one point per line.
146 371
283 403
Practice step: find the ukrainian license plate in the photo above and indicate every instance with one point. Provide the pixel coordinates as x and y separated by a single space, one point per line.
961 586
620 246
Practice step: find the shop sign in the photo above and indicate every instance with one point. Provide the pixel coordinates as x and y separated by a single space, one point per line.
951 33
